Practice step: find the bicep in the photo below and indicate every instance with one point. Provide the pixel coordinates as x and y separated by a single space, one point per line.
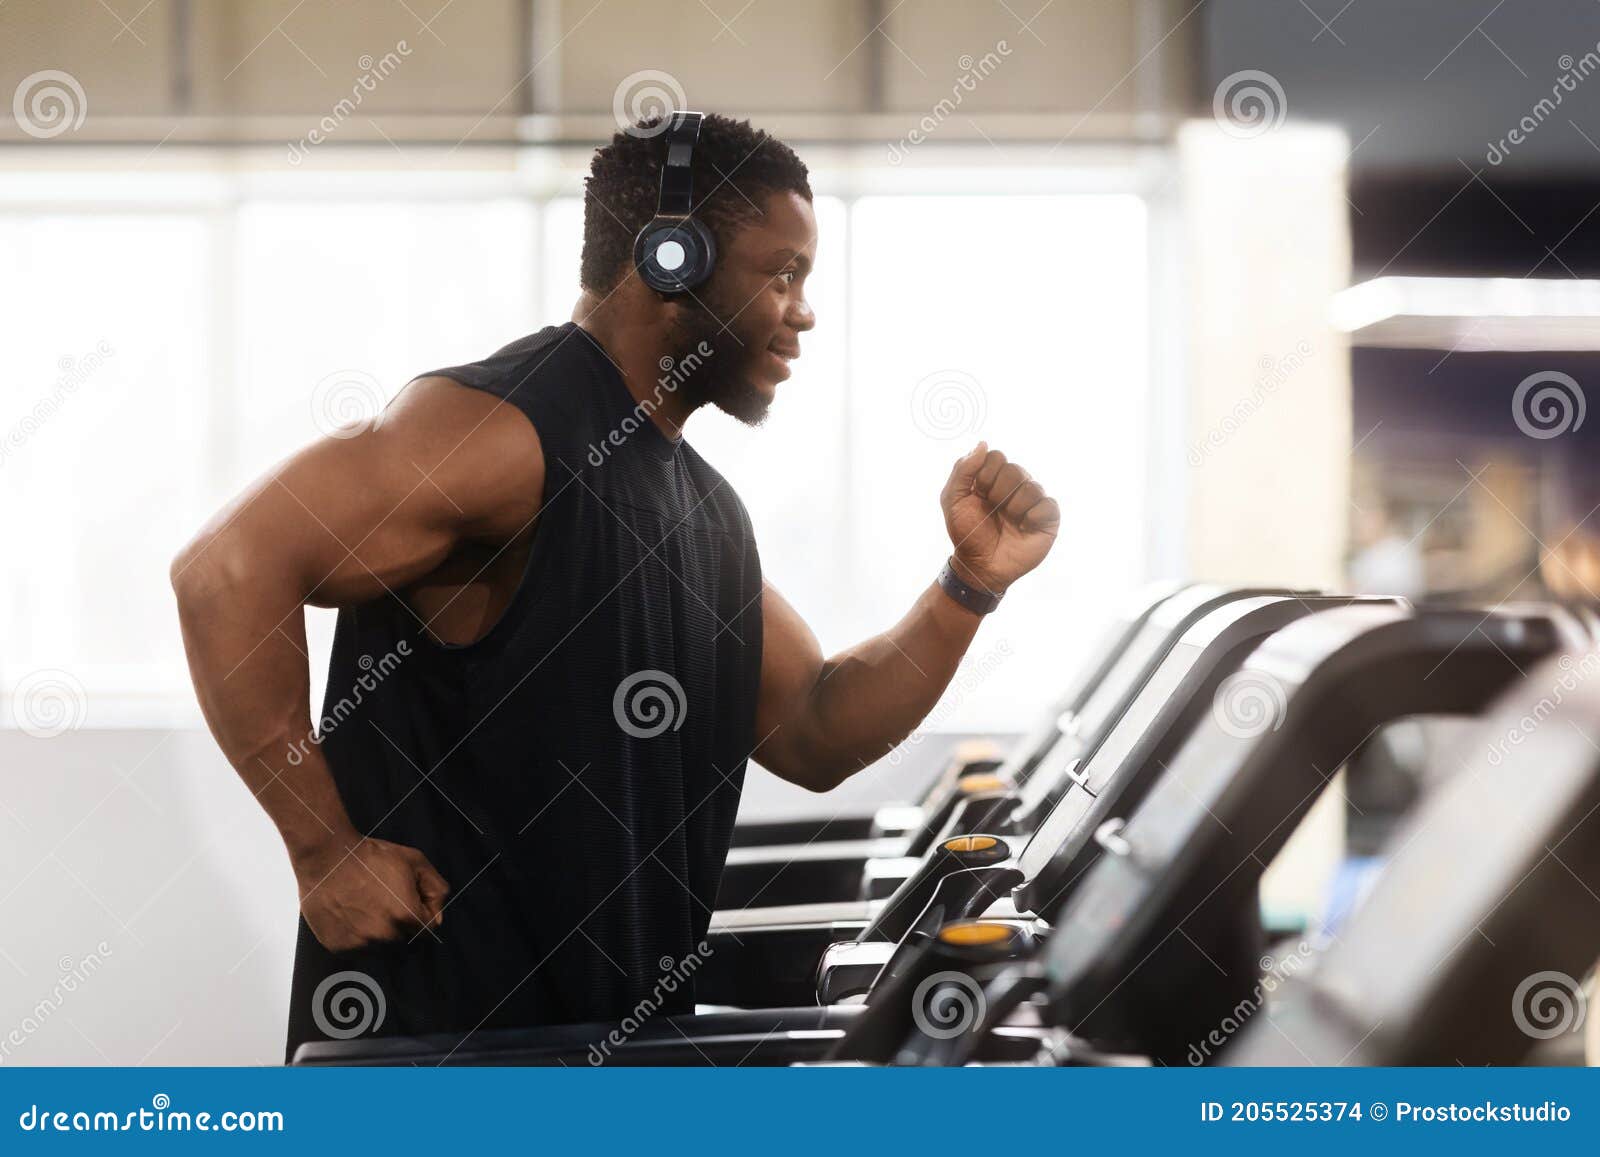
791 664
346 519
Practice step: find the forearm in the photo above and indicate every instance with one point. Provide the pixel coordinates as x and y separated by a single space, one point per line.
246 646
869 697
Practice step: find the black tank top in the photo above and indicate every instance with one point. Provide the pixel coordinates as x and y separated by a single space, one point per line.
574 773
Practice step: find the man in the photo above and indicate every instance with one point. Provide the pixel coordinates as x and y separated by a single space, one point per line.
555 649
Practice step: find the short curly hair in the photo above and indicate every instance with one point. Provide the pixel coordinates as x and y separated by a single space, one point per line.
734 167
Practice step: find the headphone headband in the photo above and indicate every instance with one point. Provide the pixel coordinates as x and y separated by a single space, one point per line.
677 176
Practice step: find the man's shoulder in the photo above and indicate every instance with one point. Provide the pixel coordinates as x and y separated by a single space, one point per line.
436 415
515 366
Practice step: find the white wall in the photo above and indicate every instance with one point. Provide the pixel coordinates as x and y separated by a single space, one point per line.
140 853
146 843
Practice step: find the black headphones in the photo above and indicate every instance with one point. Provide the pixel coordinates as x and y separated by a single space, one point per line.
674 252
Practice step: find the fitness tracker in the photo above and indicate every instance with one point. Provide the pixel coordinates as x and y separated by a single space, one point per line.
975 599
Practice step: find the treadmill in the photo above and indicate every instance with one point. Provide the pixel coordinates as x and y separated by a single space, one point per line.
767 956
778 877
888 1033
1151 732
1469 948
899 819
1163 936
1183 688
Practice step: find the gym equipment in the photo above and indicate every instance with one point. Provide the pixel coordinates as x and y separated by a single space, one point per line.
1391 770
756 1038
900 819
1178 894
768 956
1471 946
779 964
1187 684
1115 982
822 872
937 994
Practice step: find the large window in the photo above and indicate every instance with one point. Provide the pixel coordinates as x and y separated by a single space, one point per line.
168 339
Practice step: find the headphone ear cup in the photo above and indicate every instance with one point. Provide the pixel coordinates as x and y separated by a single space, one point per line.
702 256
674 254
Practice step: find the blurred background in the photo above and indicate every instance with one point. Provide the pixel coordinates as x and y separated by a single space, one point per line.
1293 292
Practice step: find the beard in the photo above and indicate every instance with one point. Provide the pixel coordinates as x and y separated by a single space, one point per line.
714 361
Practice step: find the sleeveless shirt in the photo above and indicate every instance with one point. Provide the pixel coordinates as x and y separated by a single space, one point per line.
574 773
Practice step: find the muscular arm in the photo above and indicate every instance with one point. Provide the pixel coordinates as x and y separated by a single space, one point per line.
344 521
829 718
822 720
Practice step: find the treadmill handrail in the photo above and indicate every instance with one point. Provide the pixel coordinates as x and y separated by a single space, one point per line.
1342 672
1153 718
1409 977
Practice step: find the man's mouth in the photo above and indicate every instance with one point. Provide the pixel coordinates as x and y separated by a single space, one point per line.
782 355
780 367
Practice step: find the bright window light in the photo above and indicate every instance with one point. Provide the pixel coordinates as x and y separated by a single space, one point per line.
942 319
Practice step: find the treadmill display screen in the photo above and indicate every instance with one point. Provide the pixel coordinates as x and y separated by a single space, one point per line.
1061 824
1188 795
1099 712
1063 818
1159 693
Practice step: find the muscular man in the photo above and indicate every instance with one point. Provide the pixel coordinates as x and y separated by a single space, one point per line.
555 649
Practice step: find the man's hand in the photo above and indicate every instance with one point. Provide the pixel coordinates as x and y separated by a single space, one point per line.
1001 521
369 892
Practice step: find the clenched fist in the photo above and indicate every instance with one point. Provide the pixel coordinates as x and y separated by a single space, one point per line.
1001 521
370 892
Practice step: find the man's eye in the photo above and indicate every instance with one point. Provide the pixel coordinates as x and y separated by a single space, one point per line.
788 276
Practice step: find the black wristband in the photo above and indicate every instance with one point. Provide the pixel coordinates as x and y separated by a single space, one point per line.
975 599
